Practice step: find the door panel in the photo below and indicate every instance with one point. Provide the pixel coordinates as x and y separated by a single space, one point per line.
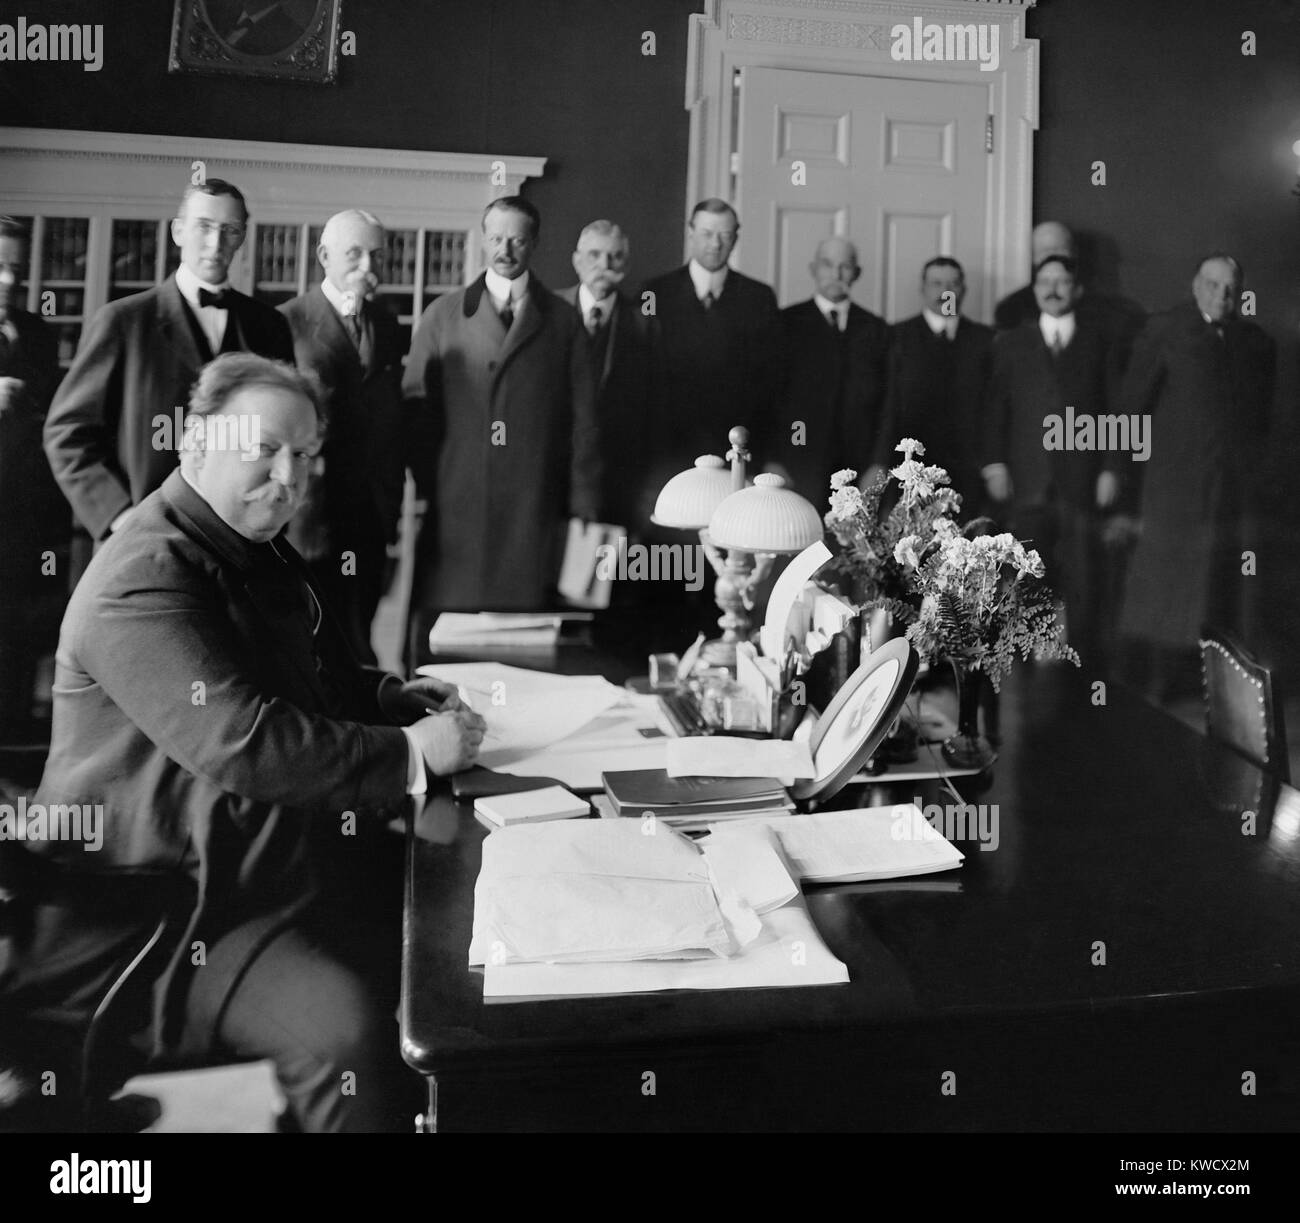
897 165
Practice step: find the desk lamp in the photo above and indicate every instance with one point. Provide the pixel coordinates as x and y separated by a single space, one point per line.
753 526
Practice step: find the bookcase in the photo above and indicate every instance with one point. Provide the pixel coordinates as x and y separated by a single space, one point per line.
99 207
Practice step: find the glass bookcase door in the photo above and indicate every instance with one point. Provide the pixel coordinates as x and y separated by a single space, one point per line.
58 286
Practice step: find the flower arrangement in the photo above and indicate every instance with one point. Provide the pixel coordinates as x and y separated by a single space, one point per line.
974 598
872 572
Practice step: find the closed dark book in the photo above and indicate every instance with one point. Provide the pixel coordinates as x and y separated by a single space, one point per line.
636 790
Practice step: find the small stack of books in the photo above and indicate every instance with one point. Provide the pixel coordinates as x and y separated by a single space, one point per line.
693 802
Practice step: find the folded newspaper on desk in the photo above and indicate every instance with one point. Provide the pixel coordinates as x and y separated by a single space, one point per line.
608 906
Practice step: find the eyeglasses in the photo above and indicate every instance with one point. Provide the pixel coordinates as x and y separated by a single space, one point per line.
229 233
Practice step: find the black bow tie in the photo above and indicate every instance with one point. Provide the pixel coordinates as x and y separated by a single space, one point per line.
220 299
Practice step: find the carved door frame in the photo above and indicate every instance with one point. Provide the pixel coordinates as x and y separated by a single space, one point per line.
853 36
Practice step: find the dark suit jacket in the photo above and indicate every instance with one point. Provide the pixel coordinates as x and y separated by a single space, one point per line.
137 359
216 794
1029 384
713 369
359 499
33 515
1210 402
834 383
622 377
507 448
937 391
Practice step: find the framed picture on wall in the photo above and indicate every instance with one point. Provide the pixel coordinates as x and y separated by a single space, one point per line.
285 40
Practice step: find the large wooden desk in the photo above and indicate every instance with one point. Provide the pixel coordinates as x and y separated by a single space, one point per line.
1121 960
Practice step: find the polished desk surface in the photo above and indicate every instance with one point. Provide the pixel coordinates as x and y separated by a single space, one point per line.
1117 825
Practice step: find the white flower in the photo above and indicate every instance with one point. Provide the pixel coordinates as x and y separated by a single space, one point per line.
909 446
841 478
905 551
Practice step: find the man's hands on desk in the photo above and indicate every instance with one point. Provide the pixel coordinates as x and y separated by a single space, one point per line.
446 730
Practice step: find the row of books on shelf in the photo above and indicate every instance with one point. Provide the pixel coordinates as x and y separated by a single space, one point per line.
63 249
135 250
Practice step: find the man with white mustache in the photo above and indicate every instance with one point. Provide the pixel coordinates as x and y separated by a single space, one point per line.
346 336
247 767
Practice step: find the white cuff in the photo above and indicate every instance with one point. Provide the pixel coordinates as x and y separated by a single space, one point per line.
416 781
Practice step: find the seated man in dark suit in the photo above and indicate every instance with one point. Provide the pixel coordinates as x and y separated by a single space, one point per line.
1045 489
834 386
110 435
239 760
939 368
352 344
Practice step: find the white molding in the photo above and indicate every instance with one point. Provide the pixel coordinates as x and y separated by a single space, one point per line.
851 36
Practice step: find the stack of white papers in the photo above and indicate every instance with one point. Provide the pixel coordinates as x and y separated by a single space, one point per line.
730 756
525 710
531 806
600 907
852 846
600 891
454 631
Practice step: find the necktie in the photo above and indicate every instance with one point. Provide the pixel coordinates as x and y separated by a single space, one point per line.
833 320
220 299
1218 331
707 300
594 318
353 324
507 315
1056 345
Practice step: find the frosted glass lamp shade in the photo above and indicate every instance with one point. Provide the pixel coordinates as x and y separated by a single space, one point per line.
765 518
688 500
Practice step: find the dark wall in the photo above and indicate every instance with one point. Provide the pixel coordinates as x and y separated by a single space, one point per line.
1197 140
563 79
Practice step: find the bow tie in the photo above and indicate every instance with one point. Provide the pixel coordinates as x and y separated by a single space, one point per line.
220 299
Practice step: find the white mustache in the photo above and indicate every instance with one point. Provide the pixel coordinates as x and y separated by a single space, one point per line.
272 492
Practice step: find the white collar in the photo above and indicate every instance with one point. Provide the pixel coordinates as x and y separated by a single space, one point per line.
345 304
189 285
503 289
1063 326
824 304
11 332
587 302
706 281
940 323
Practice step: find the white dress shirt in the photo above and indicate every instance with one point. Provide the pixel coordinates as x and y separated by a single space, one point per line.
587 303
839 309
1053 327
212 320
706 281
502 290
345 304
940 323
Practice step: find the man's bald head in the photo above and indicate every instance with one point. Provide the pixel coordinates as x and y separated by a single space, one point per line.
351 251
835 268
1050 238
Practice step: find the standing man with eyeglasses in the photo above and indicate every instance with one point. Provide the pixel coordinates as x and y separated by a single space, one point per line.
110 434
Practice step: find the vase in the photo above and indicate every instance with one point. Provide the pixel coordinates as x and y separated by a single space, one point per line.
968 749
